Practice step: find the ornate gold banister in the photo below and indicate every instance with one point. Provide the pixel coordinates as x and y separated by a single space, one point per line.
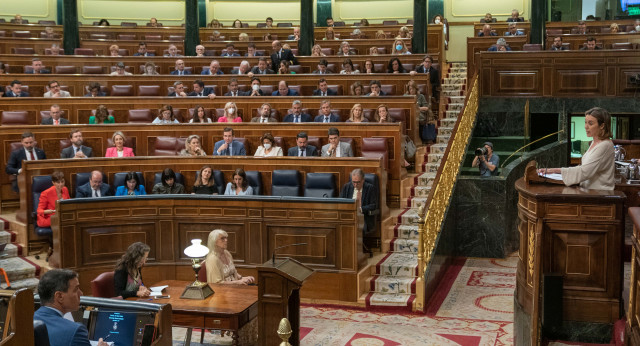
440 196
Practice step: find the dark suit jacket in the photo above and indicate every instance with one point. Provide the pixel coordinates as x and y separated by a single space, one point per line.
256 54
286 54
11 94
291 92
62 331
185 72
228 55
481 34
67 153
145 54
320 118
369 203
205 92
519 19
325 72
434 78
101 94
305 118
330 92
256 70
17 156
240 93
237 147
561 48
206 72
43 71
85 190
494 48
311 151
49 121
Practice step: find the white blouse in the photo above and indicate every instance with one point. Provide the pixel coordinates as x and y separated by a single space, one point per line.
275 151
597 170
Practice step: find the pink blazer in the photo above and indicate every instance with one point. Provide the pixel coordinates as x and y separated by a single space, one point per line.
113 152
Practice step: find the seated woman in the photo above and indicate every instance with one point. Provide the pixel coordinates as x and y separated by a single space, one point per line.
150 69
243 37
381 114
404 32
317 51
614 28
199 116
399 48
374 51
219 263
103 22
284 68
357 89
426 119
192 147
380 35
268 147
127 277
329 35
230 114
345 49
237 24
368 66
102 116
348 68
168 184
214 24
48 198
131 187
240 185
204 184
119 150
395 66
597 169
357 115
364 22
114 50
166 116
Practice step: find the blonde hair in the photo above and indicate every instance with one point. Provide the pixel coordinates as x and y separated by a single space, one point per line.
213 238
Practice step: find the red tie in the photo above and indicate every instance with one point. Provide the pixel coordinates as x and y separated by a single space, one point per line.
56 122
33 158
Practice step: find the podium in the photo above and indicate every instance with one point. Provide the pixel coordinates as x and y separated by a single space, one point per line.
279 296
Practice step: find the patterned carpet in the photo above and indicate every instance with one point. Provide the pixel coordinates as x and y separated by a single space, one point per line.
475 307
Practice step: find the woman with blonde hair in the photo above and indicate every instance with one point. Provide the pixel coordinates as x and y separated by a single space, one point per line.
119 150
404 32
150 69
614 28
317 51
243 37
329 35
380 35
114 50
192 147
102 116
219 262
399 48
357 115
230 114
214 24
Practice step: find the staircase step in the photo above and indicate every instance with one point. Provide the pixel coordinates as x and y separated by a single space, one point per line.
404 264
30 283
408 217
437 149
442 139
434 157
398 245
393 285
382 299
11 250
19 268
406 232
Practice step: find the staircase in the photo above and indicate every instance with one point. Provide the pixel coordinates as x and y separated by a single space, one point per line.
394 283
22 273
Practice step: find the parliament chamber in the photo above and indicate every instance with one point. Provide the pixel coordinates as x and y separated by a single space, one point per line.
557 258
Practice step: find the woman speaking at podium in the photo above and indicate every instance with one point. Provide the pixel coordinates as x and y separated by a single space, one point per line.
597 170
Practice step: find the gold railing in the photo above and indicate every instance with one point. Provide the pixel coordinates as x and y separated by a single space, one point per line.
440 196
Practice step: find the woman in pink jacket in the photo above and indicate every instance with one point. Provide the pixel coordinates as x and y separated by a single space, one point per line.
119 150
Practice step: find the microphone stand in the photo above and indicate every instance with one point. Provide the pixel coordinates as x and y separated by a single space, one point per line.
273 256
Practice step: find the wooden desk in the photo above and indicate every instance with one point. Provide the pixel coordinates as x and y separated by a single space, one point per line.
481 44
230 308
501 27
577 41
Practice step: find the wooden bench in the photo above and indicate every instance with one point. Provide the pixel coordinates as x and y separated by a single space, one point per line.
592 26
501 27
481 44
605 41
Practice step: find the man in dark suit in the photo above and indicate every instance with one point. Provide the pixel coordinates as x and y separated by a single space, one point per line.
233 89
515 17
180 70
280 54
322 67
323 89
557 44
486 31
142 50
251 50
178 90
325 114
37 67
214 69
76 150
94 188
55 118
265 115
59 291
302 149
199 90
28 152
95 90
227 146
296 34
376 88
591 44
231 51
255 88
366 196
16 90
283 90
434 75
262 67
244 68
296 115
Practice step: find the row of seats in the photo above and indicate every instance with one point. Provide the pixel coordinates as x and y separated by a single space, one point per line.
531 47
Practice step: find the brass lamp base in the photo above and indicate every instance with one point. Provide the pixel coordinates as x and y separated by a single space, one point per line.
197 290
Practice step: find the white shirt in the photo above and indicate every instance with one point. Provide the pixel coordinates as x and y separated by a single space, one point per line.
29 155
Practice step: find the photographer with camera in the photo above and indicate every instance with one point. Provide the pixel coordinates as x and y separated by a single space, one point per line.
486 160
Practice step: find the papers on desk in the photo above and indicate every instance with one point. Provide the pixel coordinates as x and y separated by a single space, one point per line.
95 343
553 176
156 291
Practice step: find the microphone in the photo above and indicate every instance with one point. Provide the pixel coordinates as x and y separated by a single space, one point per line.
324 195
273 256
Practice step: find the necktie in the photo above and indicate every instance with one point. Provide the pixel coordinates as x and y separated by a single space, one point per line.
235 94
32 157
179 73
333 153
56 122
326 118
279 56
95 193
297 119
229 152
75 150
264 120
301 152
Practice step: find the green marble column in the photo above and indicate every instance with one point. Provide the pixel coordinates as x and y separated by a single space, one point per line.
71 37
419 40
435 7
323 11
306 27
59 11
202 13
192 31
538 17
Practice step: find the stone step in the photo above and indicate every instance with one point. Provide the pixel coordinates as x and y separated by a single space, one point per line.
454 107
453 92
406 232
421 191
408 217
398 265
454 80
392 285
404 245
30 283
18 268
416 202
437 148
434 157
425 179
5 237
455 99
451 114
442 139
431 167
445 130
11 250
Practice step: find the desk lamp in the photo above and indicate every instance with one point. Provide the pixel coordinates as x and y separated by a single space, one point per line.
197 289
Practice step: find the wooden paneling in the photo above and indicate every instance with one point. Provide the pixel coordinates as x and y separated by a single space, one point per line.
578 41
501 27
481 44
603 73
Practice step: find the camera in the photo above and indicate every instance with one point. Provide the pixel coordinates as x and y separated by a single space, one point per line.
481 151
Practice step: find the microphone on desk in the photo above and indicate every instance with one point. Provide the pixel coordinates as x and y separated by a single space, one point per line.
273 256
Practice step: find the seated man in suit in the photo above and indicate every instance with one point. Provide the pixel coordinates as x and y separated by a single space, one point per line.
76 150
255 87
322 67
172 52
243 69
55 91
180 70
366 197
296 34
557 44
120 70
178 90
335 148
16 90
199 90
60 293
95 90
231 51
296 115
142 50
17 19
591 44
323 89
265 115
515 17
94 188
55 118
376 88
251 50
500 46
283 90
38 67
302 149
233 89
512 30
325 115
486 31
280 54
28 152
434 75
227 146
214 69
261 68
